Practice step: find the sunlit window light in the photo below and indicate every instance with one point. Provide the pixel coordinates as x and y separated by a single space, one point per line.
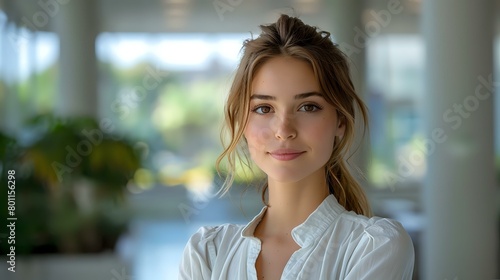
35 52
47 50
175 52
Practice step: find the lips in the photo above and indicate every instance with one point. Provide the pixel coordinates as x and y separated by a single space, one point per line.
286 154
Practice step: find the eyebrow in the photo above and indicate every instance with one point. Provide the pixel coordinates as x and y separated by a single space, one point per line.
298 96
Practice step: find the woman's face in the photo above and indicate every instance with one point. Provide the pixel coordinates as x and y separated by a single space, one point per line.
291 128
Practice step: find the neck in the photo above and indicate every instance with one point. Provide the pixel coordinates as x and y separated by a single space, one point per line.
291 203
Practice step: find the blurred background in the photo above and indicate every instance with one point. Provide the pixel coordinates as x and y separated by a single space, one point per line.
110 112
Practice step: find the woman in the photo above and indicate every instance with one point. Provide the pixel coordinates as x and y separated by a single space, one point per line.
292 107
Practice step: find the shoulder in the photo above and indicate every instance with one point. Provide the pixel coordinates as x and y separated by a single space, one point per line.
203 247
214 235
389 232
378 248
378 233
375 227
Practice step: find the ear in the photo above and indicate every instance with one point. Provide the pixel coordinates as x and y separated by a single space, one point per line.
341 123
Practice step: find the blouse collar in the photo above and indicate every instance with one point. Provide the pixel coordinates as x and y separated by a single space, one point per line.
311 229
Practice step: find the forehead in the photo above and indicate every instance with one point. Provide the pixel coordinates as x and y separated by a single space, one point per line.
285 75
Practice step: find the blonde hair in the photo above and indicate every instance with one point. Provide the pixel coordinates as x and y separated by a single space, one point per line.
289 36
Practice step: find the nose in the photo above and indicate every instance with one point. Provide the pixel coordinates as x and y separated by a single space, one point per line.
285 127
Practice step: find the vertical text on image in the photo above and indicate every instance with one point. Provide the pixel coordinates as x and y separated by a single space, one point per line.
11 219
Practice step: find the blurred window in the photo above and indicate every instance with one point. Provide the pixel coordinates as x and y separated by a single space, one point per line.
395 66
167 92
28 72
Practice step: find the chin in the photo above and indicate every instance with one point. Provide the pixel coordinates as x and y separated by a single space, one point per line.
289 174
286 177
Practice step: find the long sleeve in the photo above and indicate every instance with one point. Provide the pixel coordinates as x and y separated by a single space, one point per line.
386 252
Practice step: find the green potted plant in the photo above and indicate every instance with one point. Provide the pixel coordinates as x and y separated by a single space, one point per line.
71 183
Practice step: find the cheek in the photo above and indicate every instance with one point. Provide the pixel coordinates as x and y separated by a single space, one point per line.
322 133
257 134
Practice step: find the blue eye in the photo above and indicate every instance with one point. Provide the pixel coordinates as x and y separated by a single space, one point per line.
262 109
309 108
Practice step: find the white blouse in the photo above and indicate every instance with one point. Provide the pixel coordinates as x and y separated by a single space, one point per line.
335 244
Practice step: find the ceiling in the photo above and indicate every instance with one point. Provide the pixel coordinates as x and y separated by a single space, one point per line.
212 15
191 15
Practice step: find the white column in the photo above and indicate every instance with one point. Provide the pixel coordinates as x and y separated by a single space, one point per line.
460 238
346 26
76 24
345 29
